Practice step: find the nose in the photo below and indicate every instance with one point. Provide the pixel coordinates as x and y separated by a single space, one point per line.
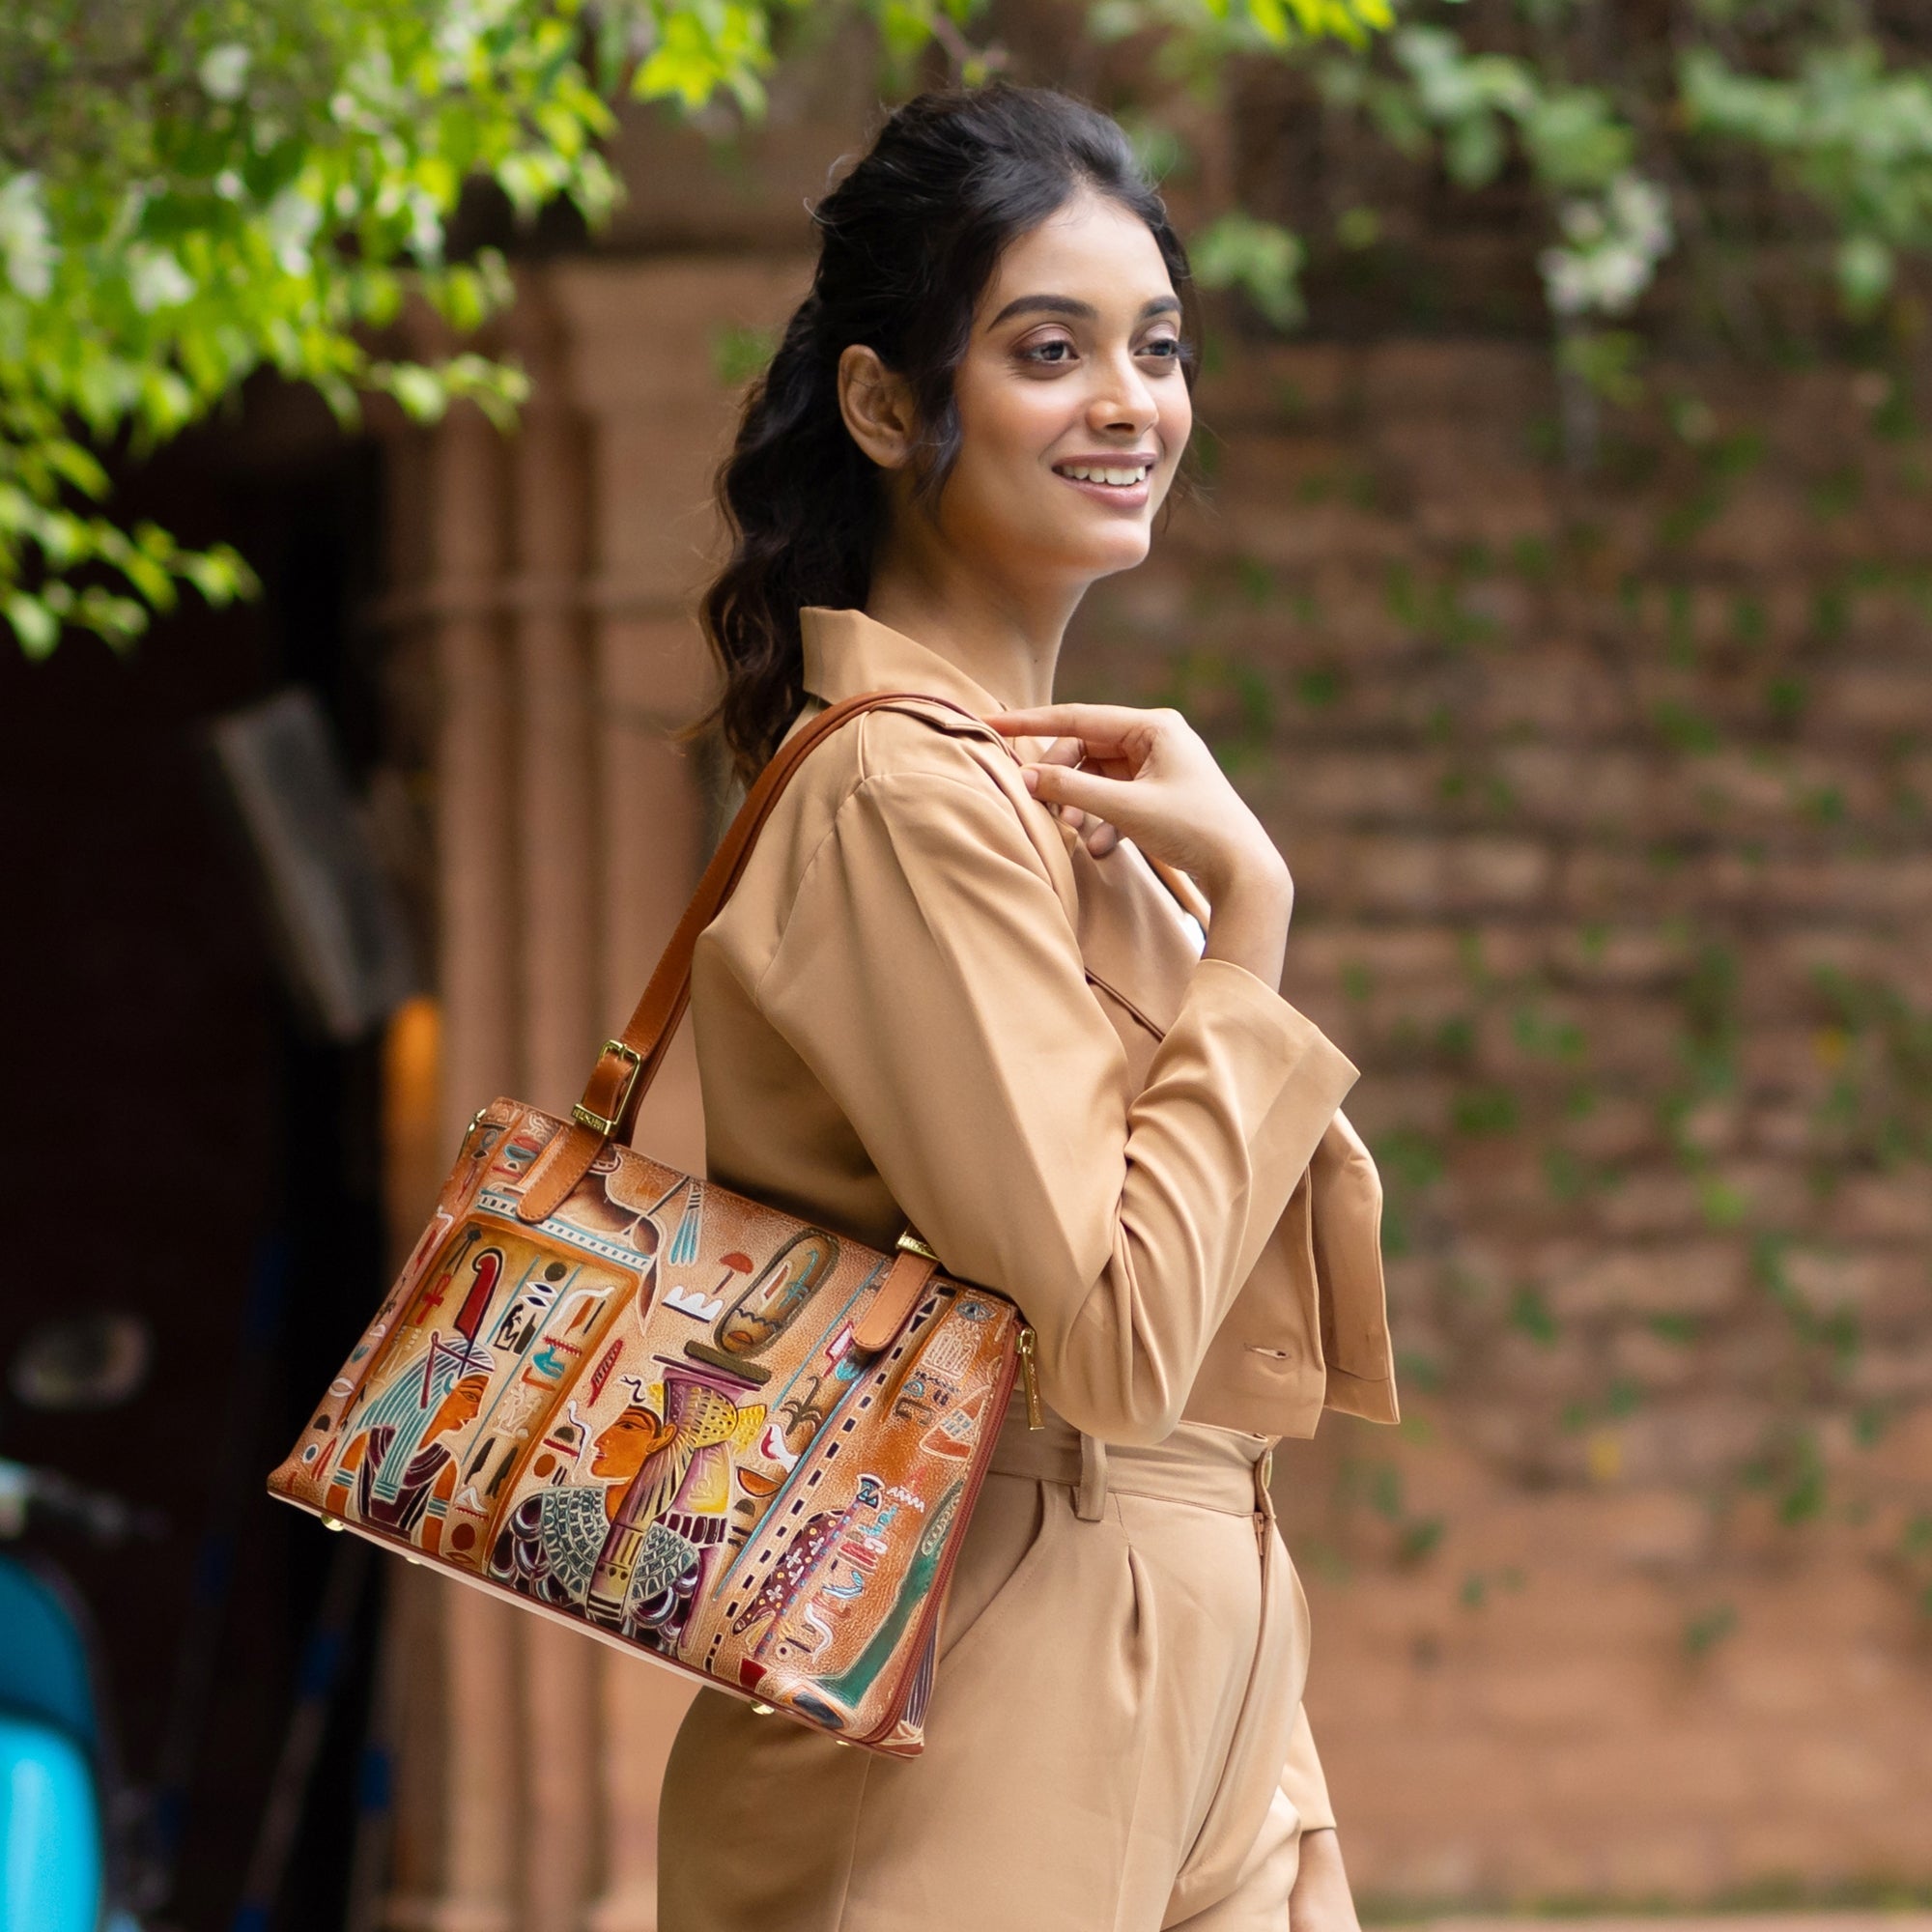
1122 403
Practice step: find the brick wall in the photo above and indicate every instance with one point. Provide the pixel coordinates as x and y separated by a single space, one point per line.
1584 782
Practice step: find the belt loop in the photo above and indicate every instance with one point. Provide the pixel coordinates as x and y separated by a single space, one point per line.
1091 1499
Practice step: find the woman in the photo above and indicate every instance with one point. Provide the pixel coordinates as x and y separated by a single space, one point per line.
949 993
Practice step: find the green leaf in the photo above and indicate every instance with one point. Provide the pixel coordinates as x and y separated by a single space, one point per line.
1262 258
1865 268
34 624
1530 1313
1704 1631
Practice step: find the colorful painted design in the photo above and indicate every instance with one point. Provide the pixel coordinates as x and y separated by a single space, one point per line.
648 1414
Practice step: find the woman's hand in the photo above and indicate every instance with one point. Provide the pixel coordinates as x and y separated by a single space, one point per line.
1321 1901
1095 833
1147 775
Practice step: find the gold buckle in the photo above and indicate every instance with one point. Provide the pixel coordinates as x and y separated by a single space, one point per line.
583 1115
910 1243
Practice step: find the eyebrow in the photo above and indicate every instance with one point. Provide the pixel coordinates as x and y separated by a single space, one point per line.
1080 311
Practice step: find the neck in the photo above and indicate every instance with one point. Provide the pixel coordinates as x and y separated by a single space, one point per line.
1005 635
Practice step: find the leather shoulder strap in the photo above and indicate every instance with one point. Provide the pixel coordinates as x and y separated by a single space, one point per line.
630 1062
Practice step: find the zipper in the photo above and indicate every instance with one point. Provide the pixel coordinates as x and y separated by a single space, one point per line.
1030 1377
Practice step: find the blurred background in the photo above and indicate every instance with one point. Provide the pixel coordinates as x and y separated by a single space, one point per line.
1559 590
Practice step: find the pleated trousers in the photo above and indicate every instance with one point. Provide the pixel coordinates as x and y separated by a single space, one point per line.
1111 1743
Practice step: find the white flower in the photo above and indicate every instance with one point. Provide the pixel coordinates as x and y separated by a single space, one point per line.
156 279
1565 282
26 237
224 72
291 220
1614 242
1642 211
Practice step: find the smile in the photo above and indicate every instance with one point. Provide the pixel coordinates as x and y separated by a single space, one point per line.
1114 476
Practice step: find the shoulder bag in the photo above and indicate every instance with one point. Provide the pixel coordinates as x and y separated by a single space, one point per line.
683 1422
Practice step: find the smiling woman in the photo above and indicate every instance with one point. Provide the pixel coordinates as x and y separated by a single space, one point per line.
1072 412
962 987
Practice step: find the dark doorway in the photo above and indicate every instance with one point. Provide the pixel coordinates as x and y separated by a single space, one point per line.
188 1152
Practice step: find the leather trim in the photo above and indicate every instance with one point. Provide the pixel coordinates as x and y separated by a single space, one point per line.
893 1306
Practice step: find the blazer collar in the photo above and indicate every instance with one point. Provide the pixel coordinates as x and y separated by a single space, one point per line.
847 652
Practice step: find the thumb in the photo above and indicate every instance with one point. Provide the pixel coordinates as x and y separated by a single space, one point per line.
1061 785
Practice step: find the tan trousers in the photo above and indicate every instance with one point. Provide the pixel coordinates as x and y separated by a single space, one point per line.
1114 1743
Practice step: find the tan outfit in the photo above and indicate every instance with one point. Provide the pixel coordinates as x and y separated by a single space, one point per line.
927 1003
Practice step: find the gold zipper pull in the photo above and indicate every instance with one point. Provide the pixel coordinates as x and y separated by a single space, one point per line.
1030 1380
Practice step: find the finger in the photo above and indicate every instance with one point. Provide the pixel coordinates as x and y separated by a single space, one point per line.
1057 785
1103 728
1103 838
1062 751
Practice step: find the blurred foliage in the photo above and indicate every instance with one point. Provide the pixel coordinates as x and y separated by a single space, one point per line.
192 190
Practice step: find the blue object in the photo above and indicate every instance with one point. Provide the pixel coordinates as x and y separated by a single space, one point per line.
50 1822
44 1671
49 1832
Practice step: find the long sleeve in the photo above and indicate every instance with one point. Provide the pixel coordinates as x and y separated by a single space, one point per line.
927 972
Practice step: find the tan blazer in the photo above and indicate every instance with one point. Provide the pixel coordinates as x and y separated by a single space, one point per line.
927 1003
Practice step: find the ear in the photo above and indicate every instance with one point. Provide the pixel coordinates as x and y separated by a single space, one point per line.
877 405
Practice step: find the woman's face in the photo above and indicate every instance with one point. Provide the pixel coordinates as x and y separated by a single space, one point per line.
1073 410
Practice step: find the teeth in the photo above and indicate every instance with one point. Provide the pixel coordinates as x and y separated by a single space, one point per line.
1119 478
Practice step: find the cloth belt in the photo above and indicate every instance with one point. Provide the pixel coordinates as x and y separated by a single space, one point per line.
1207 1468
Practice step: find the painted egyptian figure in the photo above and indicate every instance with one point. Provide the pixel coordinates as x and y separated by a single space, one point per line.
635 1545
402 1464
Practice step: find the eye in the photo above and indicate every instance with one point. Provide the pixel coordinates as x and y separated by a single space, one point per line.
1052 352
1162 348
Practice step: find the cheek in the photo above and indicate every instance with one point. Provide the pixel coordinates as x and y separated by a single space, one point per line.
1006 425
1177 416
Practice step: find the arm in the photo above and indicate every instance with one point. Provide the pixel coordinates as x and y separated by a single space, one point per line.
1321 1901
928 975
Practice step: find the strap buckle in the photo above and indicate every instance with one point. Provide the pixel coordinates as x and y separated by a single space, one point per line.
604 1124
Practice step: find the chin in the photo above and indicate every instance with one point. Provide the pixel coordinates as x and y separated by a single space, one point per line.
1122 551
1084 553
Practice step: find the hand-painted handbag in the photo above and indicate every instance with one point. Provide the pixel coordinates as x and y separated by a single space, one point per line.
681 1420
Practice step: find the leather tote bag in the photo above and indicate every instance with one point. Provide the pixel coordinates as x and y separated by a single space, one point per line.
681 1420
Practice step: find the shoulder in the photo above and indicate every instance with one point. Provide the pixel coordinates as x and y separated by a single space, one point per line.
910 739
917 792
919 757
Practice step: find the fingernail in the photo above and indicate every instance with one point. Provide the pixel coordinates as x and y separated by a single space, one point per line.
1031 774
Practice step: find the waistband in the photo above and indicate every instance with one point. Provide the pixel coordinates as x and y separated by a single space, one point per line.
1206 1469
